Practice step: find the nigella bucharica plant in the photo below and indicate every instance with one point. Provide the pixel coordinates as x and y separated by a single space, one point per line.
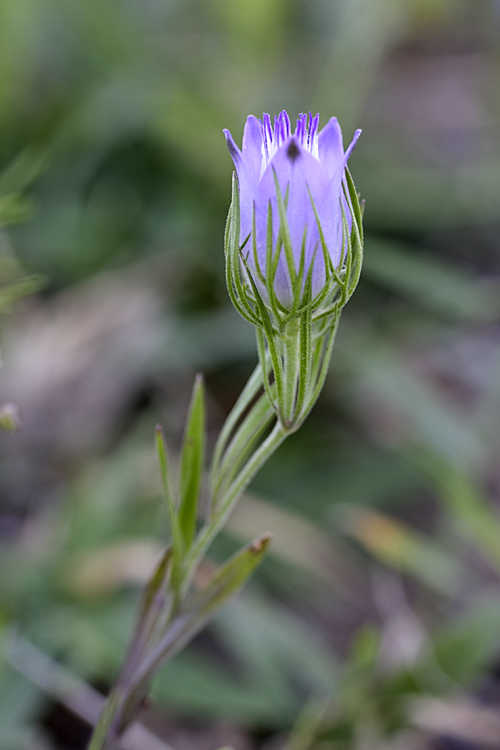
293 249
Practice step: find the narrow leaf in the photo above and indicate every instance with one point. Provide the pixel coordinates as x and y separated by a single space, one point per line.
154 587
202 605
177 542
227 580
151 606
193 455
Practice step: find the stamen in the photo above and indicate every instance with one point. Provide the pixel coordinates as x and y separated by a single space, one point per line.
282 127
267 136
265 152
301 128
313 136
288 129
268 129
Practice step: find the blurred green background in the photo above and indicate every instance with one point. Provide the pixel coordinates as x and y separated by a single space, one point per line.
375 622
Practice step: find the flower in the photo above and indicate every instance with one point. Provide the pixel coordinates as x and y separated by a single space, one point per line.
307 168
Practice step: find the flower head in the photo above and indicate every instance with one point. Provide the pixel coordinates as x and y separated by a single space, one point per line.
292 202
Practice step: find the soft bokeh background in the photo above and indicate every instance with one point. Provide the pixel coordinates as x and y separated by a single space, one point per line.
375 622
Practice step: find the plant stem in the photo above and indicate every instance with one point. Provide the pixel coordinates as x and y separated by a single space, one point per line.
101 739
249 392
291 369
228 501
120 706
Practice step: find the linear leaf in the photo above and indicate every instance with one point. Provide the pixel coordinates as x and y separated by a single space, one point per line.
152 603
193 455
201 606
177 541
227 579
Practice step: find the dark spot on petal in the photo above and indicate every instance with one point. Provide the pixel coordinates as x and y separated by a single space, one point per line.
293 151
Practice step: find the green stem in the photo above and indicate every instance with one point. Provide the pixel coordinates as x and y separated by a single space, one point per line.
292 370
249 392
305 346
101 739
228 501
242 444
322 365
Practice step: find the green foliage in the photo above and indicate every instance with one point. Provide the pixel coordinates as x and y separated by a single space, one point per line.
178 545
112 163
192 462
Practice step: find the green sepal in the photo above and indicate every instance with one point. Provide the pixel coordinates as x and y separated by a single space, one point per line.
270 336
305 358
326 254
356 239
193 455
272 261
357 207
263 353
255 254
300 277
321 361
285 234
346 240
232 251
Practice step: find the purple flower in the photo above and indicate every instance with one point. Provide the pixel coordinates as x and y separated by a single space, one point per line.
309 168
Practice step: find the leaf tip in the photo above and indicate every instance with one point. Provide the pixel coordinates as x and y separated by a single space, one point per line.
260 544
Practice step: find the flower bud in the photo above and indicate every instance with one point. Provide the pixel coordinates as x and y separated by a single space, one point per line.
294 243
295 210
